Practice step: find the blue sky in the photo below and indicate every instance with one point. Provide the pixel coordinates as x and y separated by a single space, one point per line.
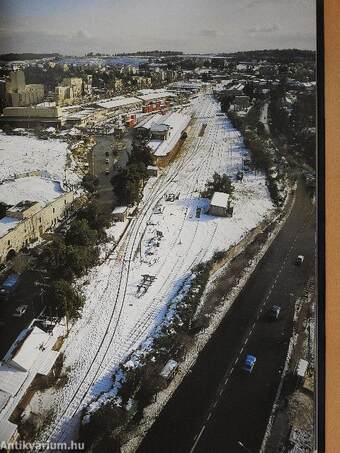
79 26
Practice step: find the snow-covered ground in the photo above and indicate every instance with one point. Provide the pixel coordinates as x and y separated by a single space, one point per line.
22 154
165 239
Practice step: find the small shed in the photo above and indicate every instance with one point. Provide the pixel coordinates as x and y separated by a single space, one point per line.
221 205
152 170
120 213
169 369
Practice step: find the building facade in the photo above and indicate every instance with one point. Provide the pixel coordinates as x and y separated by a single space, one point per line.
28 221
18 94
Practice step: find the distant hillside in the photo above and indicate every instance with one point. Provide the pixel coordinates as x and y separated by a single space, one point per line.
26 56
152 53
272 54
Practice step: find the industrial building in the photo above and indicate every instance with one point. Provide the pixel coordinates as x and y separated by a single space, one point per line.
165 133
46 114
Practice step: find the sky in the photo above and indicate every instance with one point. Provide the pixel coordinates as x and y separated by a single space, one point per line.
75 27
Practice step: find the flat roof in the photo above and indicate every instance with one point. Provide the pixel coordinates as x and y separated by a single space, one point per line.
302 367
119 210
119 101
7 429
29 350
220 199
32 189
11 379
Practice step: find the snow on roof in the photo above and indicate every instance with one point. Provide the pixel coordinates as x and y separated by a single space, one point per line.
118 101
11 379
148 121
33 188
220 199
20 154
119 210
156 95
177 123
7 430
48 361
302 367
29 350
6 224
170 366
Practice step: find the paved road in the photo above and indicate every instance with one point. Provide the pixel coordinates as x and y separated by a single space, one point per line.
217 405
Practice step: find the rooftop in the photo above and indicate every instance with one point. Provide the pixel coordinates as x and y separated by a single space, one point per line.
30 189
119 101
27 351
120 210
220 199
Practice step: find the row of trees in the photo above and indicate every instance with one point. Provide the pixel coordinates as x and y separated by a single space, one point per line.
295 129
71 256
129 182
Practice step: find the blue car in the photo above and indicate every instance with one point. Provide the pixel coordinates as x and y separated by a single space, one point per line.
249 363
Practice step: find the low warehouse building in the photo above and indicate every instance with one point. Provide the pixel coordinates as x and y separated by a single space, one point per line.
120 213
221 205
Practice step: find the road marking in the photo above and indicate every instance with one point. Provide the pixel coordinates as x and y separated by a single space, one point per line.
197 439
209 416
226 381
221 391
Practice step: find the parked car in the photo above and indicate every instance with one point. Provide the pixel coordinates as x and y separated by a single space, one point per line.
274 312
9 285
107 153
249 363
20 311
107 172
107 161
300 259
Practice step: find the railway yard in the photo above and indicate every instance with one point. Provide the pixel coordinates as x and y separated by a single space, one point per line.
128 294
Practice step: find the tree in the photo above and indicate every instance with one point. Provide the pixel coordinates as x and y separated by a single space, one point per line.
219 183
80 233
67 300
90 182
141 154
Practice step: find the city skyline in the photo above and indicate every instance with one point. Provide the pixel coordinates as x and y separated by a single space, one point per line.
78 27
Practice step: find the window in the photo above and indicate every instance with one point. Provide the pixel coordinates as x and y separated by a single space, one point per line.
53 210
9 242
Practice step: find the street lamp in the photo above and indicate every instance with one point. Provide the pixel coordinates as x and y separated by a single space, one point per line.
244 447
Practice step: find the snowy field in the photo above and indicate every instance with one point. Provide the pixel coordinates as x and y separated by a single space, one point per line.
21 154
33 188
165 239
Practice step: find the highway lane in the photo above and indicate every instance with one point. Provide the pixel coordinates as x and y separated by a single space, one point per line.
217 405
